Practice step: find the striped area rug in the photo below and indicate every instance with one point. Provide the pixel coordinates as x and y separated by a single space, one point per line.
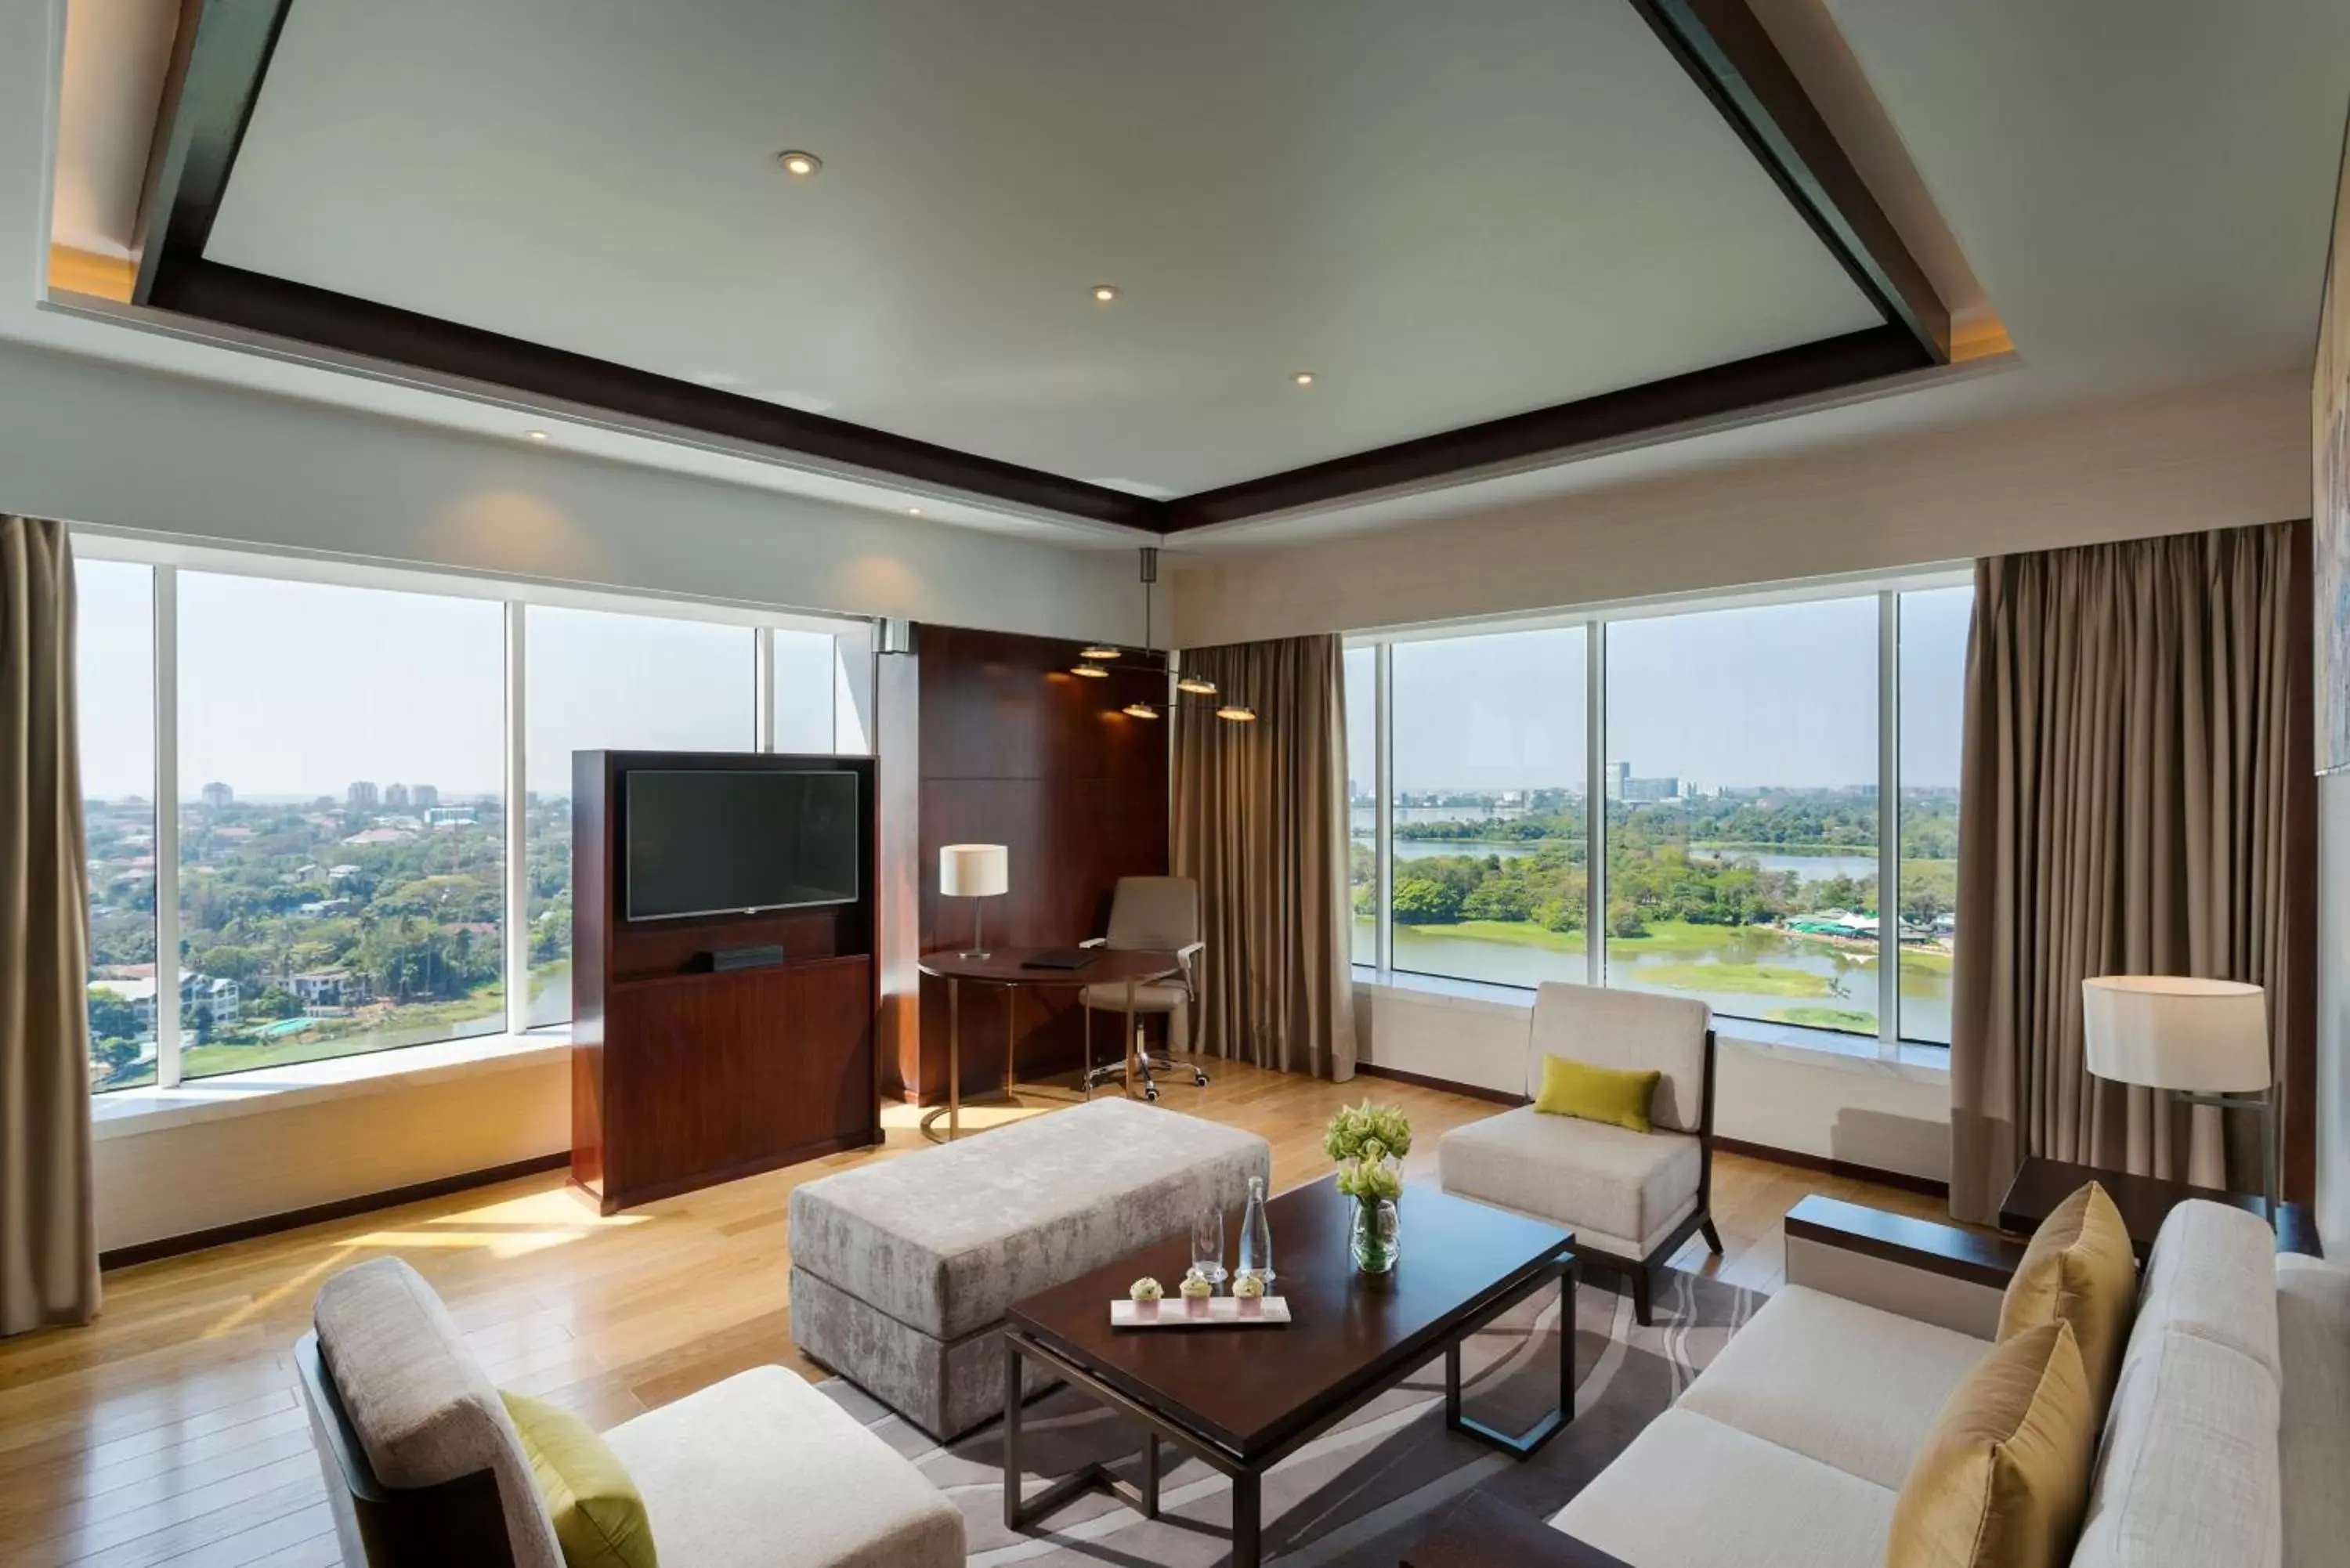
1360 1493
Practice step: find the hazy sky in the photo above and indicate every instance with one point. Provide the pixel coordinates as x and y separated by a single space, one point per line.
1782 694
299 689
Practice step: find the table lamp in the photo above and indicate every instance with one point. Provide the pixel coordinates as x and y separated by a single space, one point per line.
2205 1040
973 871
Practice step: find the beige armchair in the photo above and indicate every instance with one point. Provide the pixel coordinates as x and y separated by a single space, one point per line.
1149 914
1632 1198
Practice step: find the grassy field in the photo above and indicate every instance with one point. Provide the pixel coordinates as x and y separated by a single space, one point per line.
1745 979
1851 1020
484 1013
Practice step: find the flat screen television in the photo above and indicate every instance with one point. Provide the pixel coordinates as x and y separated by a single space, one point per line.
735 841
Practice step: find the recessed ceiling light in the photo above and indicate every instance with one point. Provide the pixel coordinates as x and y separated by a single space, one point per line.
1303 378
1104 292
537 435
800 165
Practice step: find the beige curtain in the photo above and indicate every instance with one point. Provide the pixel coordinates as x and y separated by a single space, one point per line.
2126 802
1261 822
48 1246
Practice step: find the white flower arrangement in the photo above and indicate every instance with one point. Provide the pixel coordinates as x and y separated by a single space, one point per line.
1366 1140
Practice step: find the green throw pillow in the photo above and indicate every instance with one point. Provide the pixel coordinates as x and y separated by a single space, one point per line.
1596 1094
599 1515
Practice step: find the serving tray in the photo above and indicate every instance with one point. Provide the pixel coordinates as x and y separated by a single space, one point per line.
1219 1311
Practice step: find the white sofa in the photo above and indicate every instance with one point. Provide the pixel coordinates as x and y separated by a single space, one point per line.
2227 1444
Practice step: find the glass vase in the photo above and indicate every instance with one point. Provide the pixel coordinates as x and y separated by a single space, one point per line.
1378 1235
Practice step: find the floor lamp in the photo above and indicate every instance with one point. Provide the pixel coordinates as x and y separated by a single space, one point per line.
2207 1041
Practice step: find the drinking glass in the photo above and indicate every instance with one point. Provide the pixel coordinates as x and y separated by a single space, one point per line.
1208 1245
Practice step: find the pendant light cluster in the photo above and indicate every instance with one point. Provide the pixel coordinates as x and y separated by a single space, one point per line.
1097 661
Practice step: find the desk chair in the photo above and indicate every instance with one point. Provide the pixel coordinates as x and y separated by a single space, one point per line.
1147 913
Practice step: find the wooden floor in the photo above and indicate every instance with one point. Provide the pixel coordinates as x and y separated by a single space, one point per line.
169 1431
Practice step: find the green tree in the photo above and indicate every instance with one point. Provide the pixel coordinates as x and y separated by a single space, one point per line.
1424 900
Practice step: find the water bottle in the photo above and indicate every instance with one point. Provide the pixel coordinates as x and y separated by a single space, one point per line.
1256 1235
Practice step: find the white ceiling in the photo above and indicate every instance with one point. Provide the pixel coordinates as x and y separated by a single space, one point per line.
1448 213
2142 188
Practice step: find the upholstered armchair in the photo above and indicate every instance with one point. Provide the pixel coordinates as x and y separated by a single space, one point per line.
426 1469
1631 1198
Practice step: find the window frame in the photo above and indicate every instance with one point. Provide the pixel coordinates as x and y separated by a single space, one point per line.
854 644
1886 588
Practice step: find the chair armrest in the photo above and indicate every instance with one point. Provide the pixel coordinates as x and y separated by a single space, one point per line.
1480 1532
1191 951
1917 1268
1095 942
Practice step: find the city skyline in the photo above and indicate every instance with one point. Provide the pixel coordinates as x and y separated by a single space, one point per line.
1770 697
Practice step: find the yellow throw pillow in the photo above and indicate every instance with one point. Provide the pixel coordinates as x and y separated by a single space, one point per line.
1592 1094
2002 1479
599 1515
2079 1269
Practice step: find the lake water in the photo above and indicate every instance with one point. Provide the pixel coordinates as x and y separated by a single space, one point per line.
1849 978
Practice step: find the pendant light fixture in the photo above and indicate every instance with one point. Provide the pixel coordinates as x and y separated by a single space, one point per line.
1098 660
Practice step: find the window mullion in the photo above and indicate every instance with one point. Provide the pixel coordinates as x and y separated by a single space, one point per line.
1889 823
1595 803
517 821
1383 805
762 688
166 589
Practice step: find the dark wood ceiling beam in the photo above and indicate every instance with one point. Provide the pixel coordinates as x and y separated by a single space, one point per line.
322 319
1730 56
219 56
1561 432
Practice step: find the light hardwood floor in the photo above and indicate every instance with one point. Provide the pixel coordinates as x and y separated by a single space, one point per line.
169 1430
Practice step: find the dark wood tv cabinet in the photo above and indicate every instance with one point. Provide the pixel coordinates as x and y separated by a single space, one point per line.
684 1074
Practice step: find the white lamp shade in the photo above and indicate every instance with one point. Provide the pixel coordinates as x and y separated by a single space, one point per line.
2171 1031
975 870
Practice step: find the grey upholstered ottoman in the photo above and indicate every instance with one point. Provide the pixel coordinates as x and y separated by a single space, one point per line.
901 1271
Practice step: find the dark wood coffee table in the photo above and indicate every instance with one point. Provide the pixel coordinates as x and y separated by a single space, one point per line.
1242 1398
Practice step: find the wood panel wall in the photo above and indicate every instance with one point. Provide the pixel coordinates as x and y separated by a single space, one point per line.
1012 749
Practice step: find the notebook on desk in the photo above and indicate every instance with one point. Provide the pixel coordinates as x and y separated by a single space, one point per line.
1058 957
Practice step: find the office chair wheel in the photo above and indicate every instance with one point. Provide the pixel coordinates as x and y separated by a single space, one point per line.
1199 1078
1150 1093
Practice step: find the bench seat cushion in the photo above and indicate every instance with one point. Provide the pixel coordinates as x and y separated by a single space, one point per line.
1692 1492
1836 1381
1608 1184
944 1239
763 1471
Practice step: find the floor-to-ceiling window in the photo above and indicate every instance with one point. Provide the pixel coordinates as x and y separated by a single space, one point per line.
1362 803
115 676
1747 770
1933 667
343 820
1488 847
1741 800
605 682
339 870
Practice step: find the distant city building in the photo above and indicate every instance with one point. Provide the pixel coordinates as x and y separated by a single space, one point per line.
395 795
1645 791
424 797
362 797
1618 774
448 816
217 795
212 1000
